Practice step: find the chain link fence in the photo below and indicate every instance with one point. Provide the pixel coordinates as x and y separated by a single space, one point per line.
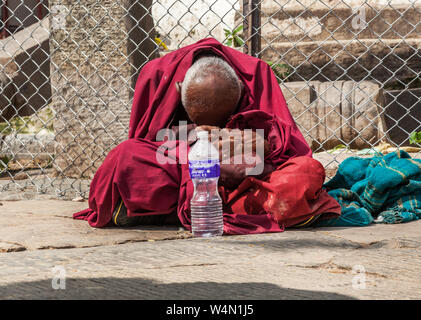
349 70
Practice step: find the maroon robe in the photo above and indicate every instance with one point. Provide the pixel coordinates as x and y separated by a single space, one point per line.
131 171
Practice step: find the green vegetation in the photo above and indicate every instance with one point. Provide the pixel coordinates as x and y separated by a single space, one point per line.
17 124
43 119
338 147
281 70
4 160
415 138
233 39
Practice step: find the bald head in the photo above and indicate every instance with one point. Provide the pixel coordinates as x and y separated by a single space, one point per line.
210 91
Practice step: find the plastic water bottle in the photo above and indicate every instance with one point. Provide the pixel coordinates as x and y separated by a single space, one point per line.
206 204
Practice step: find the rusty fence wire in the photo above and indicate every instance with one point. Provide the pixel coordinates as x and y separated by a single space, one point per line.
349 70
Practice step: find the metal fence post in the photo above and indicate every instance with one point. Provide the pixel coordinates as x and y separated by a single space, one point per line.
252 27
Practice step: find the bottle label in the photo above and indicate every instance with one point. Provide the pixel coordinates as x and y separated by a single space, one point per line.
204 169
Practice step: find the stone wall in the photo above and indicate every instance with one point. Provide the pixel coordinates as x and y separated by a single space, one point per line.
340 112
96 54
328 40
25 71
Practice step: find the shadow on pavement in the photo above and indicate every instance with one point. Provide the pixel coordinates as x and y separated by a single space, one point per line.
291 244
140 288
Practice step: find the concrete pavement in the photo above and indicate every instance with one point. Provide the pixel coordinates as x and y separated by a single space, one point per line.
66 259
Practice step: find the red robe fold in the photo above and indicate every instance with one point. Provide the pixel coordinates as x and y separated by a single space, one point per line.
132 172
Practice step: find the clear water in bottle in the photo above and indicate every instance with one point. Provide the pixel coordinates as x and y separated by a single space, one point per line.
206 204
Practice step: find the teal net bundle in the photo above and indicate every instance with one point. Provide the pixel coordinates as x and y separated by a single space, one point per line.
380 189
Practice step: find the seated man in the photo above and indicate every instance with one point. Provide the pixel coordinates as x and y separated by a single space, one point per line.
209 86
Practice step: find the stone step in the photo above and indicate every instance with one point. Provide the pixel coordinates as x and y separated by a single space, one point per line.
370 59
27 151
30 144
292 21
328 40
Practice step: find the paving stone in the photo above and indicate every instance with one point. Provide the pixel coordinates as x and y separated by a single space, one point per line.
314 263
48 224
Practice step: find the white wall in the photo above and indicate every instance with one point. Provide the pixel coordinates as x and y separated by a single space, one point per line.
181 23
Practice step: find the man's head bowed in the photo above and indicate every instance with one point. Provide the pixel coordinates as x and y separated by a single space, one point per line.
210 91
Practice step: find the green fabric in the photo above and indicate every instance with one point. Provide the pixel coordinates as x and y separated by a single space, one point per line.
386 188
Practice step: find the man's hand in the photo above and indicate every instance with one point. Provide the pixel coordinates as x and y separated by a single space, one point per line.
230 144
232 175
187 130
